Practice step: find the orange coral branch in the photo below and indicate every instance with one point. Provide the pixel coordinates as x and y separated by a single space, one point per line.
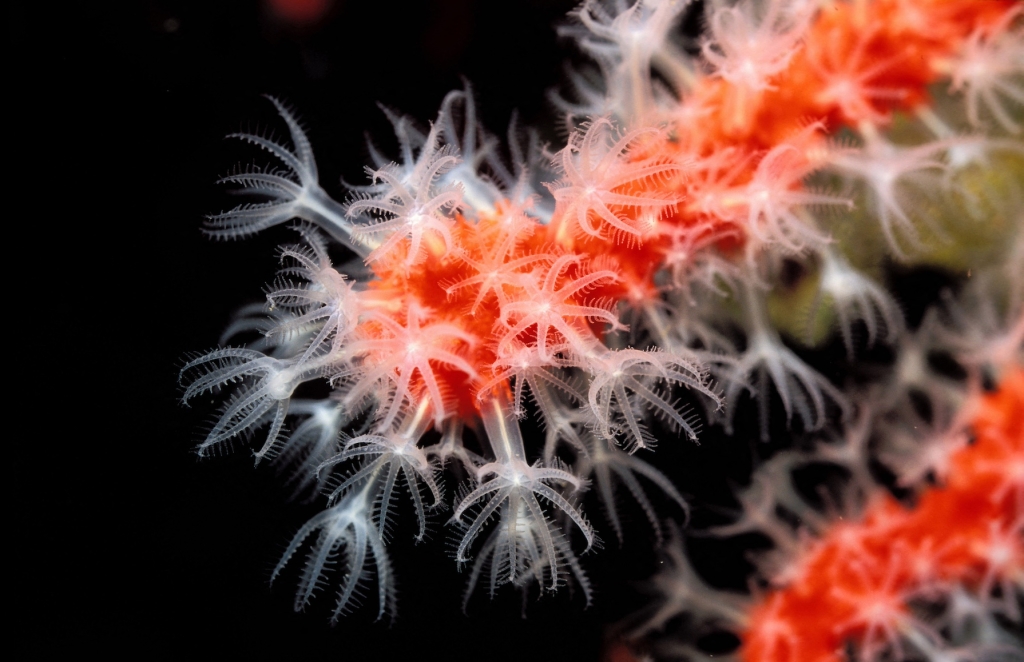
855 582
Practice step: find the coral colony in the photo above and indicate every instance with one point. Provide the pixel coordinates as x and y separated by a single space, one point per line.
605 285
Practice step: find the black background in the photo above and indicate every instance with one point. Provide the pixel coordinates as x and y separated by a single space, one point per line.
126 543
